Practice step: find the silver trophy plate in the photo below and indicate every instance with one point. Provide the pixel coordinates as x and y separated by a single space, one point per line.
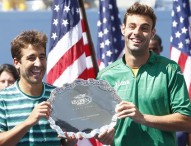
85 107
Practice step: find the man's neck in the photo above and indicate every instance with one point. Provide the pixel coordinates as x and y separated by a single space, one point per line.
136 61
31 89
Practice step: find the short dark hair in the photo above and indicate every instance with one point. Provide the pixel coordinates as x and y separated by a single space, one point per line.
157 38
141 9
10 69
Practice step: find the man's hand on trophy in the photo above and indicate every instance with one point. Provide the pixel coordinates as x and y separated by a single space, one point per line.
106 137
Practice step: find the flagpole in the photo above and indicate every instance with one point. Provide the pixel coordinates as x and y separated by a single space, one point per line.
94 59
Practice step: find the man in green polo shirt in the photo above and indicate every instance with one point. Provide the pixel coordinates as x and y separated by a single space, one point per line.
155 102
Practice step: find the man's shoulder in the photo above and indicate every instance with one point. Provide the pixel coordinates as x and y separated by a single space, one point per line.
165 62
49 85
112 67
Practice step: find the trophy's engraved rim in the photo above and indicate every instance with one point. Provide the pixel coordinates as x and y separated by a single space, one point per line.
103 85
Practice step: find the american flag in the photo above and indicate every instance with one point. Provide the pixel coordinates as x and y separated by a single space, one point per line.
180 38
110 41
69 56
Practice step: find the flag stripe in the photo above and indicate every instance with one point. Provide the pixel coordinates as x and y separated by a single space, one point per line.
71 72
182 60
63 45
180 39
65 61
69 57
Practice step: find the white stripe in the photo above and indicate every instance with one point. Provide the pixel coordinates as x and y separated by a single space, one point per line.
187 72
72 72
84 142
63 45
85 39
175 54
89 62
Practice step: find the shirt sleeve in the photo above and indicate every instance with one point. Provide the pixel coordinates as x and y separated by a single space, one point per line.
179 97
3 124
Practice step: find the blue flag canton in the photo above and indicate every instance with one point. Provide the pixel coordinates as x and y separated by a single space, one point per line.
180 37
110 40
65 16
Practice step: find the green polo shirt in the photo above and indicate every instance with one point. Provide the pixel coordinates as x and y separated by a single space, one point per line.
158 89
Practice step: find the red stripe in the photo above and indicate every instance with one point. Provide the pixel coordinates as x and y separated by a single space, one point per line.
66 60
83 25
94 142
182 60
87 73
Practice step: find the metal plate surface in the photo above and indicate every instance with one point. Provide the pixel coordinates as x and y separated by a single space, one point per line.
84 107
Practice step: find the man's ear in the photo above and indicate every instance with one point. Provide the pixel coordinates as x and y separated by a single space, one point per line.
153 33
16 63
123 29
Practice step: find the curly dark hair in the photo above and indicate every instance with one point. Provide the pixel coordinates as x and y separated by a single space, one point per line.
31 37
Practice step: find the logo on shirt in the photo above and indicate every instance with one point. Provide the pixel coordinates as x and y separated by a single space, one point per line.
179 72
122 83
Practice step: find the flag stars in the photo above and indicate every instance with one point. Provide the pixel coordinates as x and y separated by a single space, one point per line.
77 10
109 53
178 9
107 42
112 18
55 22
172 14
104 20
56 8
102 45
54 36
171 39
110 6
65 22
113 29
100 34
184 30
177 34
174 23
184 5
105 31
99 23
180 45
66 9
187 41
103 10
181 19
103 56
110 62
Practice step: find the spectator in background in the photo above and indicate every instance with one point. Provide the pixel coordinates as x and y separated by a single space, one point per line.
89 4
155 44
8 75
9 5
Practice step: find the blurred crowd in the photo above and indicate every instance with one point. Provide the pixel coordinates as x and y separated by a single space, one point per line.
33 5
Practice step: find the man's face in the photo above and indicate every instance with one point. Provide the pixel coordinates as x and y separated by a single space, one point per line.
137 32
155 46
6 79
32 65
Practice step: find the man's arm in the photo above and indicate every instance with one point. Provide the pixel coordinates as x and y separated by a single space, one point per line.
13 136
171 122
